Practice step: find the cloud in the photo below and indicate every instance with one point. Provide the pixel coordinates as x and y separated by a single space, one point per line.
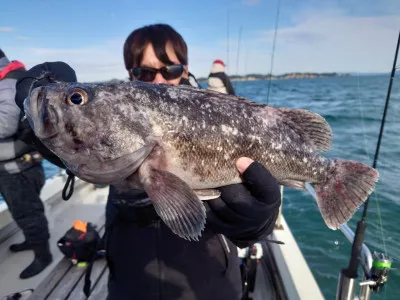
98 62
6 29
251 2
316 41
22 38
48 52
332 42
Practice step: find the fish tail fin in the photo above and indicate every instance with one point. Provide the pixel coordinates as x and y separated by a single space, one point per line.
348 185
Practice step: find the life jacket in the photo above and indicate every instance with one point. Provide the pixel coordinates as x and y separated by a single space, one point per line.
16 70
12 66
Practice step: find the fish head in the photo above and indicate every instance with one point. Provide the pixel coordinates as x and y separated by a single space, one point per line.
96 129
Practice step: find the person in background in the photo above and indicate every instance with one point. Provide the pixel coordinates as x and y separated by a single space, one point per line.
218 80
20 82
145 259
21 174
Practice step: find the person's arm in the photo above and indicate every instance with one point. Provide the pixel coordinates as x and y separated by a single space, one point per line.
229 88
9 112
60 71
246 213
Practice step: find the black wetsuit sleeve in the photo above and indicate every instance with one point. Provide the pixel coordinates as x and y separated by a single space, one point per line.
228 85
59 70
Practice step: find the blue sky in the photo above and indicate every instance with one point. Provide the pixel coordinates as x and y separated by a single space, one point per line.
312 36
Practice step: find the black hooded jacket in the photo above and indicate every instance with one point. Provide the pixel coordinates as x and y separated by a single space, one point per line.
147 261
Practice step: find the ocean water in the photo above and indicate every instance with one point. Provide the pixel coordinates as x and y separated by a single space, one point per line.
353 106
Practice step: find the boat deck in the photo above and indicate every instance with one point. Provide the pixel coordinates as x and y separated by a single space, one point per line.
66 280
281 274
87 204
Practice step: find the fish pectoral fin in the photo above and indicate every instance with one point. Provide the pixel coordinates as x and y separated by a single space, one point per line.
174 201
298 185
207 194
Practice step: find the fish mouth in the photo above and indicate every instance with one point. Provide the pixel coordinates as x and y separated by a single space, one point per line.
49 118
41 116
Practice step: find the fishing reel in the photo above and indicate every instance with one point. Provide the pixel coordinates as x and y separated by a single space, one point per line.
381 265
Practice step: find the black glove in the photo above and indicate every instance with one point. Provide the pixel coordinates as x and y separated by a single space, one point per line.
246 212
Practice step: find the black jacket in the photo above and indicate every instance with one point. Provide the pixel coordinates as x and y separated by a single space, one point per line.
147 261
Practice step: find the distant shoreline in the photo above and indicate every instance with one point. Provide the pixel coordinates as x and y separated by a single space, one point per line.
293 75
296 75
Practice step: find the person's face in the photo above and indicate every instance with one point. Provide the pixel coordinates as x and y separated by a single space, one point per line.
150 60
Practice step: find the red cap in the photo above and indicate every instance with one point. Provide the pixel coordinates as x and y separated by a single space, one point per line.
218 61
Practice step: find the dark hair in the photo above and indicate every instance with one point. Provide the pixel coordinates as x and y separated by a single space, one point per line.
158 35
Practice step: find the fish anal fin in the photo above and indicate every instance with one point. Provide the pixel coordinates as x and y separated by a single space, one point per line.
298 185
207 194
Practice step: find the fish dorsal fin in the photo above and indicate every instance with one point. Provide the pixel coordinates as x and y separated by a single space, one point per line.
314 128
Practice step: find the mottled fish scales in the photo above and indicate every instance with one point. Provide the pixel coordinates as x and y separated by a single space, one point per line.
179 143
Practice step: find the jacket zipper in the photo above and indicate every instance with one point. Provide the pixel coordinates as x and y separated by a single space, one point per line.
225 243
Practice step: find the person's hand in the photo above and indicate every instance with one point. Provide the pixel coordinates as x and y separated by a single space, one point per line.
244 212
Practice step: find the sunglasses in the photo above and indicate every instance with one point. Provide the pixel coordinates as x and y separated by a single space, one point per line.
148 74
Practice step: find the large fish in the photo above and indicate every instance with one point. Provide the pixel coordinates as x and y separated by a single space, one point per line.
179 143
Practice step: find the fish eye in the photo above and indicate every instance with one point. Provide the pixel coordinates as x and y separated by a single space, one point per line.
77 97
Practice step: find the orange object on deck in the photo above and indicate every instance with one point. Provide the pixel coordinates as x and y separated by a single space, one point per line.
80 225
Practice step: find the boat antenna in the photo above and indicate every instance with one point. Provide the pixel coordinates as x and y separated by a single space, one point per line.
273 48
348 275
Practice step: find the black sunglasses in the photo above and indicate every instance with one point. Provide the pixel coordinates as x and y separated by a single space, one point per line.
148 74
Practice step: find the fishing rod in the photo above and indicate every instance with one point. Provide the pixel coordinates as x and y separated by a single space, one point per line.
273 48
237 56
377 277
238 51
227 39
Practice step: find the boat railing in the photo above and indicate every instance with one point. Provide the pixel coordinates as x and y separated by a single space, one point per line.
278 223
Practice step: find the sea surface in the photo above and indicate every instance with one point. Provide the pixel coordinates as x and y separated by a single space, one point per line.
353 106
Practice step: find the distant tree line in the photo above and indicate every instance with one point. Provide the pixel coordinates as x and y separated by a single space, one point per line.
254 76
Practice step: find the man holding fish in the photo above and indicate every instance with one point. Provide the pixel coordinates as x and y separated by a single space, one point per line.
141 248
